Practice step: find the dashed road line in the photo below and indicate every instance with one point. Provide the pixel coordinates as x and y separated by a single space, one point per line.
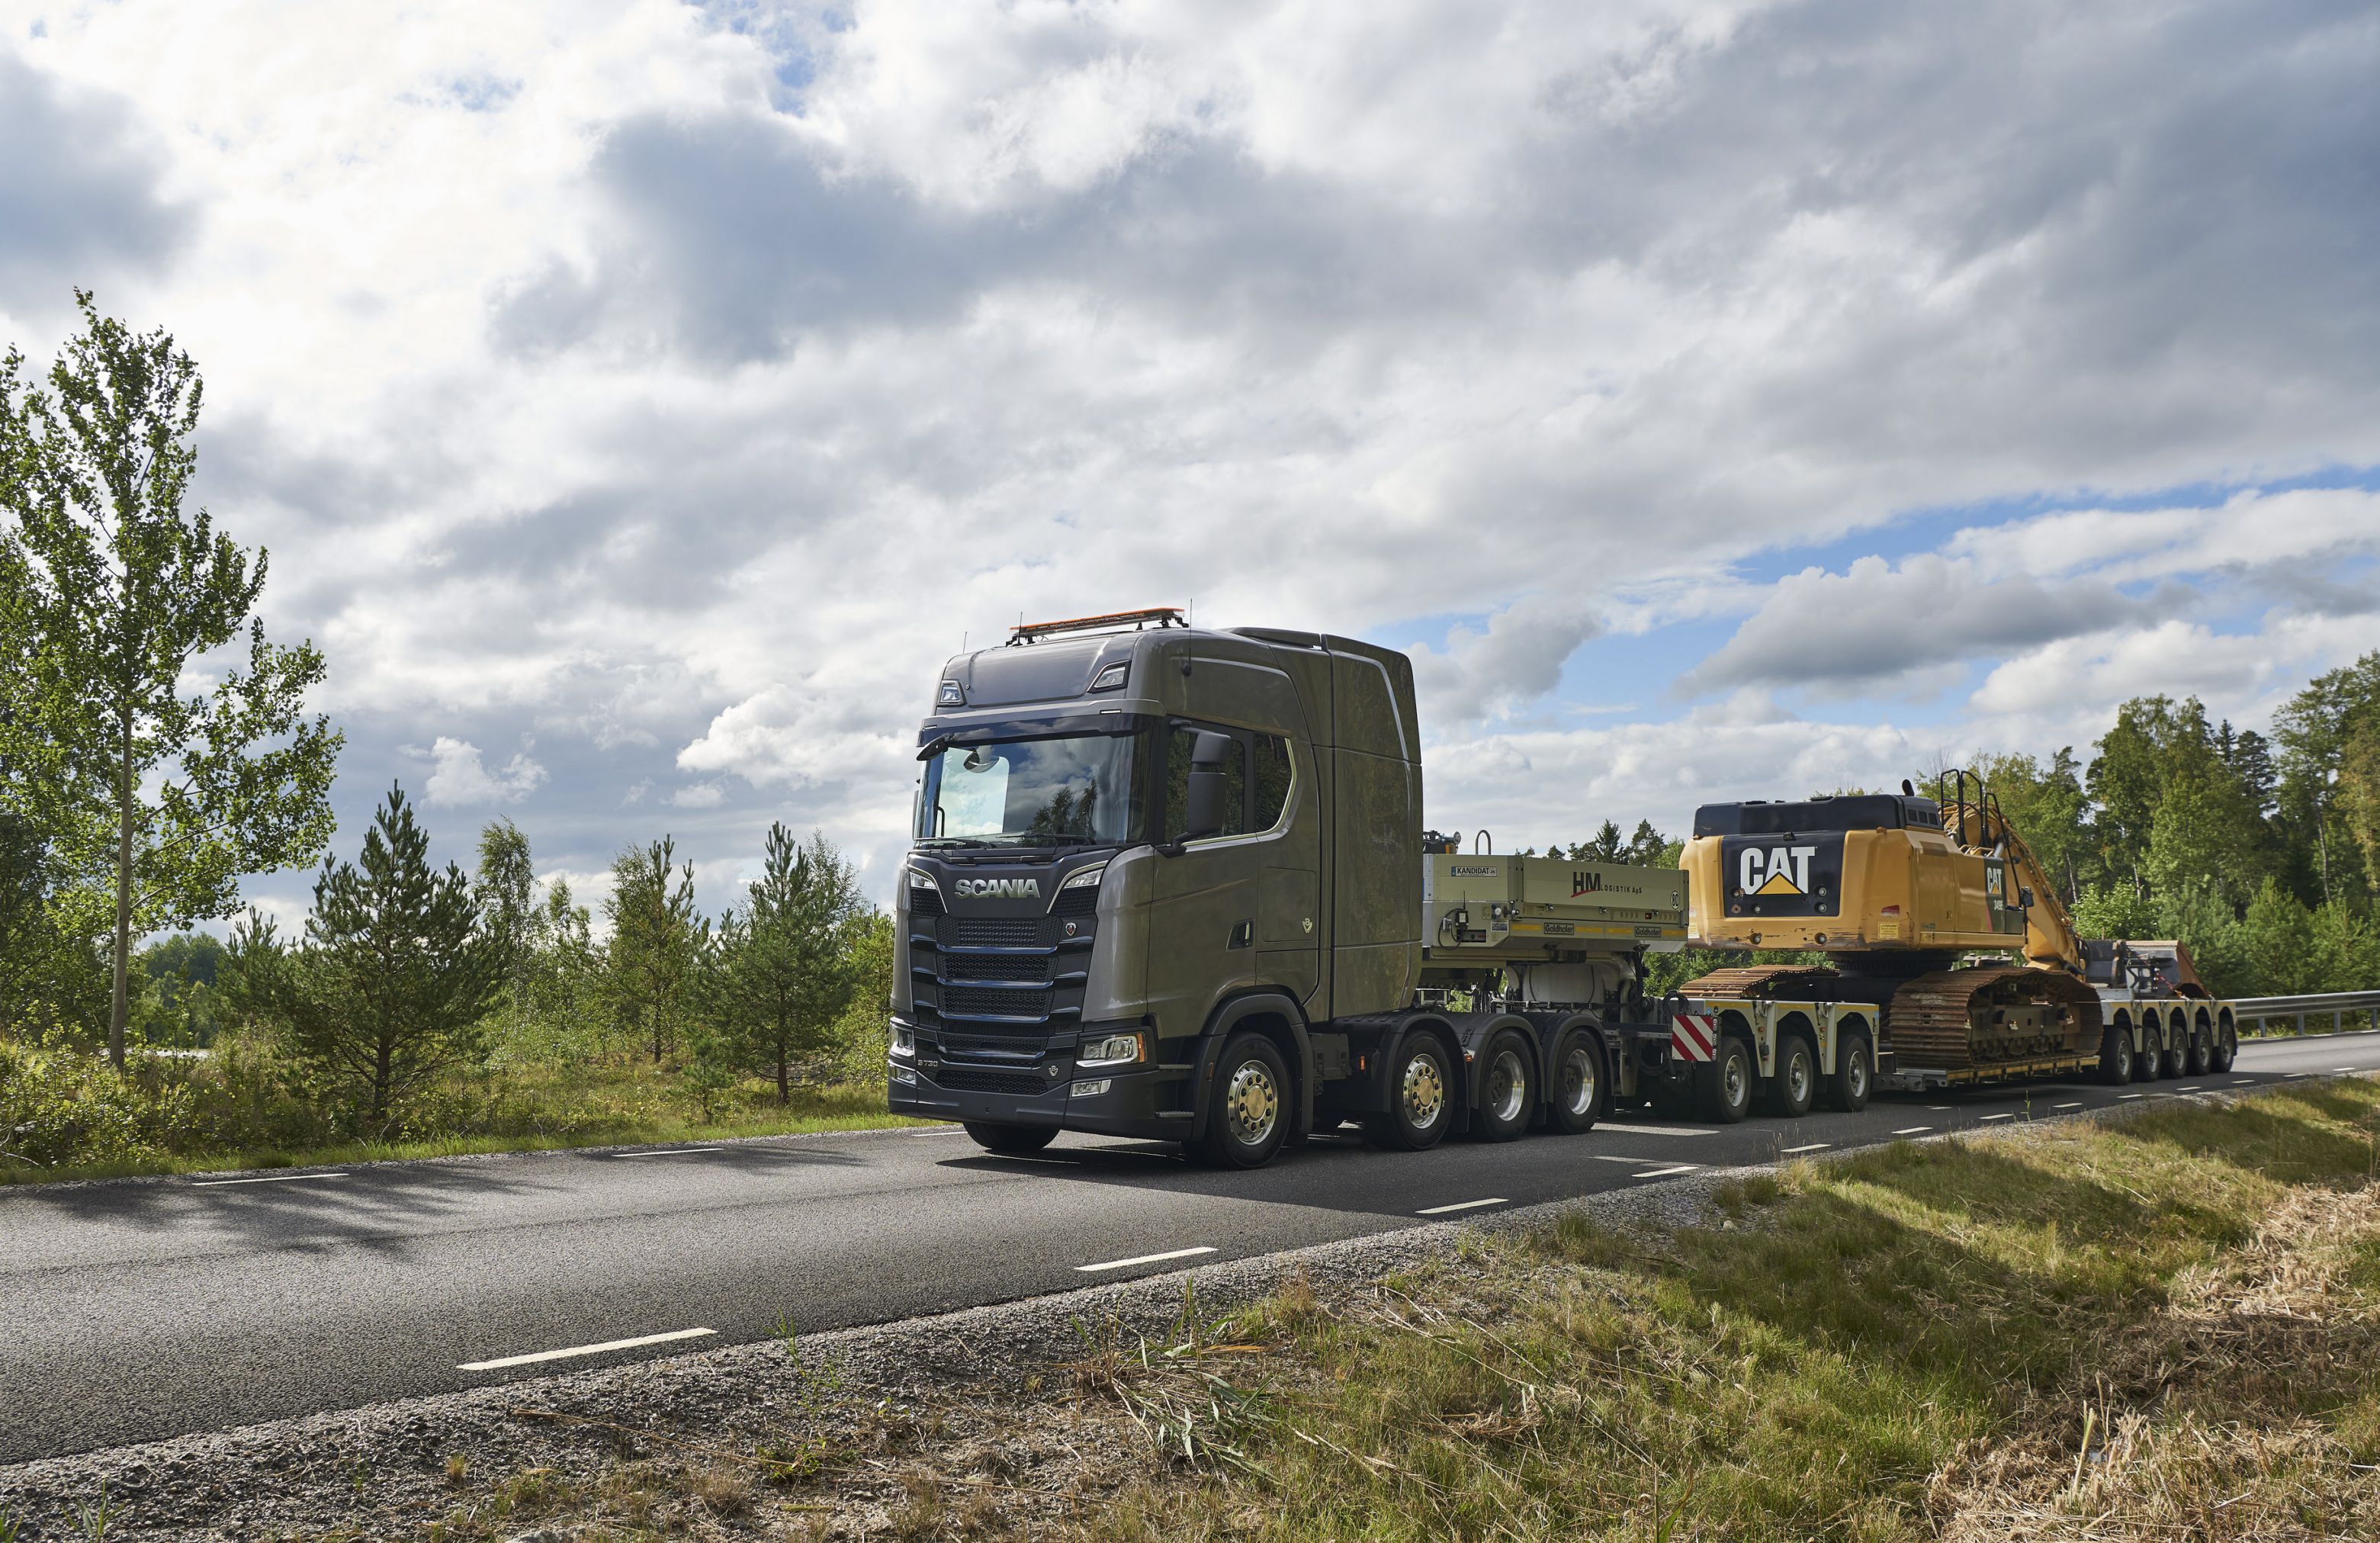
2131 1095
1665 1173
1999 1116
2074 1105
502 1361
671 1151
1813 1146
264 1178
1460 1205
1657 1130
1912 1130
1145 1259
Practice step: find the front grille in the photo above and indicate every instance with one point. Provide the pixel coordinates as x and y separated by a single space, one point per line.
996 966
970 1079
1009 1039
925 903
1078 902
970 1001
998 933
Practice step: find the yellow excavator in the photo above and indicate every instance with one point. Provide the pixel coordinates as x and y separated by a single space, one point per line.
1903 891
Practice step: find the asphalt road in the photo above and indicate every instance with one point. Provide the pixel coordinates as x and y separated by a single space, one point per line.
138 1310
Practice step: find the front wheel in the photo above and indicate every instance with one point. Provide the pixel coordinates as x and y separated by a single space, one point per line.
1723 1086
1421 1089
1016 1140
1251 1111
1578 1085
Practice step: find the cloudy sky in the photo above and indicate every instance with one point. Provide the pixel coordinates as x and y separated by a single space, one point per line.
639 398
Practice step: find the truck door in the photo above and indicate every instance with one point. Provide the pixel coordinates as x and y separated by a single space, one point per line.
1203 913
1289 894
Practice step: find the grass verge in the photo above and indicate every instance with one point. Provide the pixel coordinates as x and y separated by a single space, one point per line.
852 1106
2164 1327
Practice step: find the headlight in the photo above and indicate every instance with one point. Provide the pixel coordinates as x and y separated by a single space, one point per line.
1112 677
920 880
1090 1090
951 694
905 1040
1115 1050
1088 878
904 1077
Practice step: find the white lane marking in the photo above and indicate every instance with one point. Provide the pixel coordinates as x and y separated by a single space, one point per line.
2243 1082
1665 1173
502 1361
2189 1088
674 1152
1460 1205
1656 1130
1999 1116
268 1178
1912 1130
2342 1068
1813 1146
1938 1108
2295 1074
1146 1258
2065 1106
2131 1095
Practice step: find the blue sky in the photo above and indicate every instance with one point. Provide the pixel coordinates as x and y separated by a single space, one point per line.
1719 397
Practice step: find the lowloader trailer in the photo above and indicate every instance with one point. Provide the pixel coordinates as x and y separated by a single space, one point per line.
1174 884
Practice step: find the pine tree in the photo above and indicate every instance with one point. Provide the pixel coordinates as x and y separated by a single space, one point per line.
397 972
657 942
784 974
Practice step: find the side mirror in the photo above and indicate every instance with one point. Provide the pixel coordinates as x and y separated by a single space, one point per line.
1210 755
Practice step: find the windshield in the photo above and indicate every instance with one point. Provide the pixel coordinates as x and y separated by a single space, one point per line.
1071 791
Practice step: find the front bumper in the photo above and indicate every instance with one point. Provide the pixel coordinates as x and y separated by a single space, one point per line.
1143 1102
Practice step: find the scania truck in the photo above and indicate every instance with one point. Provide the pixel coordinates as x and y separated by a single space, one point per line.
1174 884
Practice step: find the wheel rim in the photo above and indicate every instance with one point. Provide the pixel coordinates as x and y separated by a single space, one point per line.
1732 1081
1797 1075
1859 1071
1508 1087
1252 1105
1578 1081
1425 1091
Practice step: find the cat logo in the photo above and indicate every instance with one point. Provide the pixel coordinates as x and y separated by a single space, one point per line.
1584 882
1776 871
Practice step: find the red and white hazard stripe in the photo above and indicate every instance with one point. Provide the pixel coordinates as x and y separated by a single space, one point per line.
1694 1035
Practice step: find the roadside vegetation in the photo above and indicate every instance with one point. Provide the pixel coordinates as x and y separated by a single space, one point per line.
2162 1326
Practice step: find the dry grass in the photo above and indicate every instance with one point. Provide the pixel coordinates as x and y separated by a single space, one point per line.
2161 1329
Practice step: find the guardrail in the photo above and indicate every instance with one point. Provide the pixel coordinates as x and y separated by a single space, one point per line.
2337 1005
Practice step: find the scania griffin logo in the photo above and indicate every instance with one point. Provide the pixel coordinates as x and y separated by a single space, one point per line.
1011 889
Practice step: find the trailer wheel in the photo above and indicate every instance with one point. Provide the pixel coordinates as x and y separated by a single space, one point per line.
1251 1113
2227 1046
1723 1086
1508 1093
2170 1066
1017 1139
1578 1085
1847 1089
1421 1095
1795 1086
2152 1051
2116 1054
2201 1059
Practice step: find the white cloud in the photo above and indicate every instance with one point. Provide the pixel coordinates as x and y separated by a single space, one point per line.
459 778
698 796
1513 661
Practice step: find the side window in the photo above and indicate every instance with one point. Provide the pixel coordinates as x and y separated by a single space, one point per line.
1178 746
1272 781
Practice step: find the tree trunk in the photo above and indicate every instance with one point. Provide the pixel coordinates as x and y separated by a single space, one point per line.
379 1085
119 1006
784 1085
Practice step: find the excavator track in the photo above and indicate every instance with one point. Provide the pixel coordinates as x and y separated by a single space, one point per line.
1951 1020
1986 1015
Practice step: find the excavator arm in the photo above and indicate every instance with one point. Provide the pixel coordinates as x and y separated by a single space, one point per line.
1973 818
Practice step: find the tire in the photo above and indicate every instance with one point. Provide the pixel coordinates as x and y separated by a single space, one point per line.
2202 1051
1251 1114
2116 1055
2226 1047
1723 1086
2170 1064
1421 1098
1795 1086
2147 1059
1507 1092
1853 1079
1015 1140
1574 1096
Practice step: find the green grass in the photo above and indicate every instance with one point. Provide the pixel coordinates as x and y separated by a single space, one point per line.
539 1108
